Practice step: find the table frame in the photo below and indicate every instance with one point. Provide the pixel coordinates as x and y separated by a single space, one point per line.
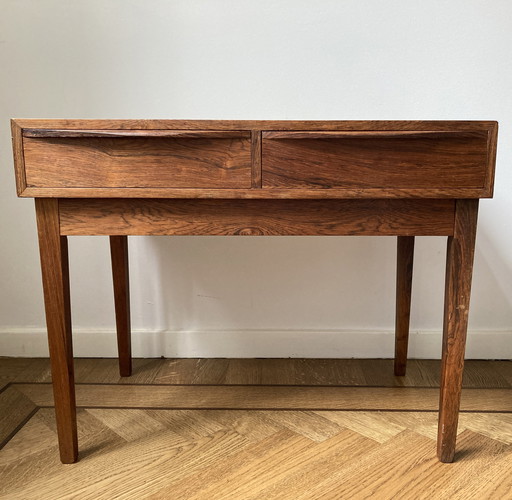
55 272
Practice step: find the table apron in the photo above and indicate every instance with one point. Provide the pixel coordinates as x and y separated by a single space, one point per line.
326 217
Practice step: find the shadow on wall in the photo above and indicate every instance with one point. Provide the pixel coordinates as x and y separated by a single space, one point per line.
491 301
205 283
301 283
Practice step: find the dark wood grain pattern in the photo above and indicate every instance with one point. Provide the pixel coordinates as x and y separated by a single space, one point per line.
135 162
221 177
491 147
182 134
256 158
459 266
404 266
120 278
270 125
54 266
451 160
254 194
375 134
257 217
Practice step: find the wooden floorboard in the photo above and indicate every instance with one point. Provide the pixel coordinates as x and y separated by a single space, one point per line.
15 410
254 429
290 371
268 397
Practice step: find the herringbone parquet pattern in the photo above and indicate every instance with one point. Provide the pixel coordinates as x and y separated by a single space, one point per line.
136 444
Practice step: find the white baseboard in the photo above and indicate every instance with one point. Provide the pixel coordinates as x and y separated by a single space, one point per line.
256 344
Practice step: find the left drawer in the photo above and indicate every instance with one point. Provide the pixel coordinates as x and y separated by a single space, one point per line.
137 159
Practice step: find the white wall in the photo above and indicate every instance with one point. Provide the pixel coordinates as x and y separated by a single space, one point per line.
292 59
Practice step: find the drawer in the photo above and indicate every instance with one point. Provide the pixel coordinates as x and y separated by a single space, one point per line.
137 159
375 160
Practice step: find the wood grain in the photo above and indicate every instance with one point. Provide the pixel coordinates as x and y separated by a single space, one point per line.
19 162
459 267
268 397
267 193
120 278
478 374
404 266
271 125
397 161
117 179
15 410
401 468
282 452
257 217
256 158
138 162
492 146
184 134
283 464
54 267
376 134
332 442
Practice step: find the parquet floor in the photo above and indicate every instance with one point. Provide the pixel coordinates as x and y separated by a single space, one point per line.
255 429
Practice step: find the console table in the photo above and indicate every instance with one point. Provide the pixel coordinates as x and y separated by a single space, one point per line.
202 177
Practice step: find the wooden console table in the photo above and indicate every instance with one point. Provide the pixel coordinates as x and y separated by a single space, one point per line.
160 177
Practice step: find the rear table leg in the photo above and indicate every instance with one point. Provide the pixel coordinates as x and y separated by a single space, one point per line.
119 256
404 266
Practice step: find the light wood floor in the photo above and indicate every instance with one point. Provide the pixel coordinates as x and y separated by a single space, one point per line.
255 429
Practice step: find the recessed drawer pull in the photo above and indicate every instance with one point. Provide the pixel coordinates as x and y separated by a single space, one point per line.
434 134
186 134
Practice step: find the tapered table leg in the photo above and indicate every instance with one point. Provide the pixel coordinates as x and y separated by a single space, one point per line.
459 267
404 266
119 254
55 272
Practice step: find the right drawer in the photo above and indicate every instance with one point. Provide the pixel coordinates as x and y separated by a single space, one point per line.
375 160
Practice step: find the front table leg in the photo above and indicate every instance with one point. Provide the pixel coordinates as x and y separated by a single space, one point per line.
459 267
53 250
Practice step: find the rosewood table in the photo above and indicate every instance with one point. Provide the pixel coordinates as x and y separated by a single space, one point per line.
162 177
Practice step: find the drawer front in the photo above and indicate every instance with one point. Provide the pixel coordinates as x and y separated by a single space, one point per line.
101 160
375 160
